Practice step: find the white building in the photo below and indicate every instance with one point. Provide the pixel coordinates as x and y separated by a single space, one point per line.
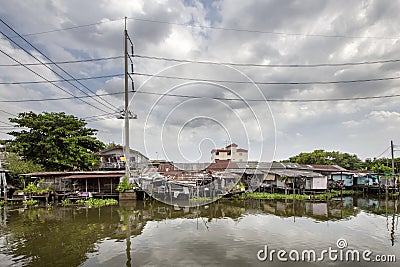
231 152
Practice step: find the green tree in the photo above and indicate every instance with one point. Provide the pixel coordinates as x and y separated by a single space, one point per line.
380 168
55 140
345 160
16 165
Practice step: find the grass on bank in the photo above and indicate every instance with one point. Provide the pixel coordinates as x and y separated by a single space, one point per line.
324 196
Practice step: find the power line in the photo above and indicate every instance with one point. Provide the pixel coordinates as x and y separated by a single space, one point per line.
64 80
386 150
269 65
65 62
200 26
30 44
68 28
216 98
265 83
263 32
8 113
66 91
271 100
56 98
100 115
202 80
212 62
7 123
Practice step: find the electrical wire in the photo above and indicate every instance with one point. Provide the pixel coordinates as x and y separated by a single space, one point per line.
100 115
269 65
56 98
69 75
215 98
66 91
7 123
263 32
201 80
386 150
65 62
69 28
265 83
64 80
272 100
201 26
6 112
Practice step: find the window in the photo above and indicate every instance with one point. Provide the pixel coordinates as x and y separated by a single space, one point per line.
216 153
240 154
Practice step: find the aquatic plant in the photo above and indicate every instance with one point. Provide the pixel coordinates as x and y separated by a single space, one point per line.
31 188
95 202
323 196
31 202
66 202
125 185
199 199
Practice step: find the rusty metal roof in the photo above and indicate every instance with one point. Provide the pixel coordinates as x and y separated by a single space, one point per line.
295 173
94 175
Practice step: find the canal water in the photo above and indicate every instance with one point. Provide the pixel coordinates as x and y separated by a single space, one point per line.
223 233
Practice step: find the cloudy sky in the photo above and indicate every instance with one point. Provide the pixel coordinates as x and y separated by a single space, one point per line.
301 49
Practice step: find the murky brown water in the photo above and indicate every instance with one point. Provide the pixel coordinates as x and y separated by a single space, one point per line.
224 233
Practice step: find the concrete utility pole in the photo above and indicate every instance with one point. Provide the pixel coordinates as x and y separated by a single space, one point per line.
392 152
127 148
393 170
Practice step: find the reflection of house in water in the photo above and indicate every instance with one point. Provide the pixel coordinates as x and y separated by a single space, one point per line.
317 208
113 158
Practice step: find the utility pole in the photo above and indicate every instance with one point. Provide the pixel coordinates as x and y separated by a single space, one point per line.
392 150
393 170
127 148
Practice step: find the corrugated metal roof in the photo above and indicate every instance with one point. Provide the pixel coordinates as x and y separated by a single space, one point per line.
295 173
191 166
291 165
93 176
319 167
43 174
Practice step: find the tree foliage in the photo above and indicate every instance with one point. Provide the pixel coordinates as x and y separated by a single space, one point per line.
55 140
345 160
16 165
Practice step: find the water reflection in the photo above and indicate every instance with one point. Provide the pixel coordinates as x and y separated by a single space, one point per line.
72 237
